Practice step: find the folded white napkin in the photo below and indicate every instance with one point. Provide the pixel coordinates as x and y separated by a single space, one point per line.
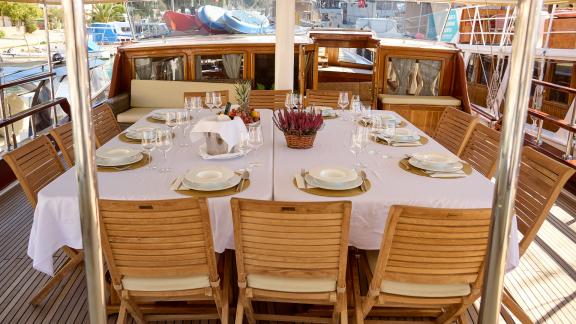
457 174
204 155
230 130
301 183
417 143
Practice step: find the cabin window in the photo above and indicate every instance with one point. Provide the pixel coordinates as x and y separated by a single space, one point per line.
159 68
413 77
264 71
561 75
219 67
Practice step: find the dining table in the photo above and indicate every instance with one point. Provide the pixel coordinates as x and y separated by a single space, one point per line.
273 168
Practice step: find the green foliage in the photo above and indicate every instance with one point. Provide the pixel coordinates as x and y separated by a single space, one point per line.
2 34
30 26
107 12
20 13
260 86
55 17
242 88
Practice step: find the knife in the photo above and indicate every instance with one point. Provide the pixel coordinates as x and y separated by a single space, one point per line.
363 184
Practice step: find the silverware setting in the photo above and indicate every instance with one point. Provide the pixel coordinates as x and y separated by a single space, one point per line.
363 184
303 174
245 176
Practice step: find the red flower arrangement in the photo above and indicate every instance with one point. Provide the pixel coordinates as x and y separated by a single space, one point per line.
299 127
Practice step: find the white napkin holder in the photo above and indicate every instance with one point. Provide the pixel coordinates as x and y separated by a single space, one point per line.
221 136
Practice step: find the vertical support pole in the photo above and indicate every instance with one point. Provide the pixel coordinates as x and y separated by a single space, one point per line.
445 22
50 67
515 111
284 50
3 115
79 83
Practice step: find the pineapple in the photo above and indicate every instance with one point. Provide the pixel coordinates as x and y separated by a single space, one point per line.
242 93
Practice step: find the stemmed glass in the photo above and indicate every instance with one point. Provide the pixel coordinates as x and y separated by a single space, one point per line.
288 102
217 100
297 100
208 101
356 110
244 143
343 101
164 143
171 121
255 140
357 143
148 144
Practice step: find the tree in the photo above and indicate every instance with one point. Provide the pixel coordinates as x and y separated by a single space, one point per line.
55 16
107 12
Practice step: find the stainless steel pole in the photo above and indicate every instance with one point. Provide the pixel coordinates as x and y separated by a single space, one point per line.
50 67
515 110
78 80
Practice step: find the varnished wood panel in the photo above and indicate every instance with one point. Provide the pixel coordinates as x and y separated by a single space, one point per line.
424 117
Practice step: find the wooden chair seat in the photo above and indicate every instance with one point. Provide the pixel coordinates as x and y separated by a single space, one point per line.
62 135
303 285
454 128
417 289
165 284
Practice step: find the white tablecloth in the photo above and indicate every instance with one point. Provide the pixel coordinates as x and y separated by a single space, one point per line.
57 219
391 185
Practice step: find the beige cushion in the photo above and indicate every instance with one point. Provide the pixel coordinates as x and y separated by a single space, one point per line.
170 94
284 284
132 115
16 105
417 289
419 100
165 284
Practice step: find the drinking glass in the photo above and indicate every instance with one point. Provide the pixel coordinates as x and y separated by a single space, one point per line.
164 143
366 111
188 103
356 110
148 144
171 121
208 101
255 140
297 100
357 143
217 100
288 103
343 101
182 119
389 128
244 143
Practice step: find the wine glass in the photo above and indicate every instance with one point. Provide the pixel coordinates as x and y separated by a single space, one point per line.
208 101
148 144
244 143
164 143
366 111
255 140
217 100
288 102
297 101
171 121
183 126
188 103
356 110
357 143
343 101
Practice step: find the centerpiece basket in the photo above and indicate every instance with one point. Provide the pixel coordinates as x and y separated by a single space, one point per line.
299 127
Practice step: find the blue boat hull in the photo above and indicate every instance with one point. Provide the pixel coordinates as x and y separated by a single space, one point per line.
212 17
241 22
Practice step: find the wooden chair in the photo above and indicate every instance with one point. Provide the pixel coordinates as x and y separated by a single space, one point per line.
454 128
267 99
224 94
539 183
106 126
327 98
481 149
162 250
291 252
62 135
35 165
430 263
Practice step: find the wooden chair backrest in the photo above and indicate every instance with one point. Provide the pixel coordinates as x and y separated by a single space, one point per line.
327 98
433 246
540 181
454 128
267 99
35 165
291 239
224 94
481 149
106 126
63 137
158 238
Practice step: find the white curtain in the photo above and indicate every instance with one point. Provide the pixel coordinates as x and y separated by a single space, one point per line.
232 65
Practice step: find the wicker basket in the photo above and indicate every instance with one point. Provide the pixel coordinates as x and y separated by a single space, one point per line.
300 141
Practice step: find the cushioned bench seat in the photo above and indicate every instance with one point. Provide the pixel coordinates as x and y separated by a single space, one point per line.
419 100
149 95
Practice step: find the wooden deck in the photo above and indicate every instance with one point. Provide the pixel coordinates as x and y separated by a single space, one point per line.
544 284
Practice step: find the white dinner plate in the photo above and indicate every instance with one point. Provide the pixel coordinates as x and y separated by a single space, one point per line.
333 186
450 167
233 181
389 117
331 175
160 114
404 135
136 133
225 156
435 159
210 176
108 163
117 155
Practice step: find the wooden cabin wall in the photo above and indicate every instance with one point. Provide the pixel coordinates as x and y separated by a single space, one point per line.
466 27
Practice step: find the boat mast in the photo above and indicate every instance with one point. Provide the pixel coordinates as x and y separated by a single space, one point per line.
515 112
